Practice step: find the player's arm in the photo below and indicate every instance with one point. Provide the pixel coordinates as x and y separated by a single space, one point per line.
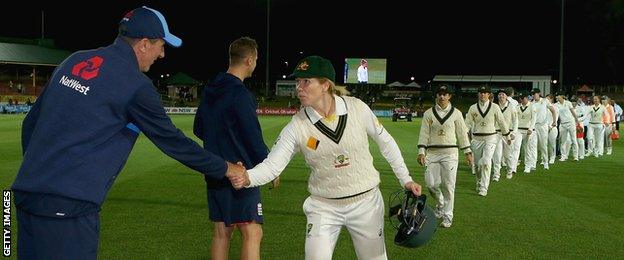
553 113
469 120
533 120
30 121
461 132
387 145
280 155
423 137
146 112
247 123
198 123
514 118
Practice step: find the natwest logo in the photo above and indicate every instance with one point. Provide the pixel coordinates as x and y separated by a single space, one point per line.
88 69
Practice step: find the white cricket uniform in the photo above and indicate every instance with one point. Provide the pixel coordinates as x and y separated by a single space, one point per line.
362 74
609 116
567 130
553 132
343 183
596 124
517 142
482 119
589 136
543 116
440 133
582 117
526 126
503 151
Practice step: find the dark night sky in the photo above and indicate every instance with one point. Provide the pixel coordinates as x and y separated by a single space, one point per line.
419 38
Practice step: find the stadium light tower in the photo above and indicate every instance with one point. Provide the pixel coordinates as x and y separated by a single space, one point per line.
266 93
412 78
561 47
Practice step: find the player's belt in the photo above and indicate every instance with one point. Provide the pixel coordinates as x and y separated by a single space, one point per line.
483 134
351 196
523 128
599 123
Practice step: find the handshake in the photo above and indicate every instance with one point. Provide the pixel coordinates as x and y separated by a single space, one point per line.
237 174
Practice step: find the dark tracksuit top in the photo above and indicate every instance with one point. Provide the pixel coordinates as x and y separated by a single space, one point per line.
79 133
226 121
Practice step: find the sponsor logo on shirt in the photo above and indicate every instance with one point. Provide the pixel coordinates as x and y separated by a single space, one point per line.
74 84
341 161
88 69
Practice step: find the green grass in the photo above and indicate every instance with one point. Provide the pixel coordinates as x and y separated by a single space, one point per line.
157 208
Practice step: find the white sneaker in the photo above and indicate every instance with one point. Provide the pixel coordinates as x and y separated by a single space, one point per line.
552 161
496 178
563 160
483 193
438 213
527 171
546 167
446 223
576 159
509 175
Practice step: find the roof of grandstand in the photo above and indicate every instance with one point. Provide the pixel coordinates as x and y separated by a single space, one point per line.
491 78
40 52
182 79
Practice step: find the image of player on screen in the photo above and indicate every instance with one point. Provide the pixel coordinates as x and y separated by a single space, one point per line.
362 73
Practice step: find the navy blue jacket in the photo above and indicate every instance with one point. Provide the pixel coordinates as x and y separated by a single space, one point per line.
75 140
227 122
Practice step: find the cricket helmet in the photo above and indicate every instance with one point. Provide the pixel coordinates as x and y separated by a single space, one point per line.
414 220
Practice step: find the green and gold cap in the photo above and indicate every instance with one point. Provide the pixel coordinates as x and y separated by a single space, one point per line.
314 67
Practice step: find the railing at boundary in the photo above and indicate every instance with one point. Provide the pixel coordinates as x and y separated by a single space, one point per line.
261 111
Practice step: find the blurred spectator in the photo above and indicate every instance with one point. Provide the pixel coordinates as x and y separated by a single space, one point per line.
28 102
618 114
10 101
19 88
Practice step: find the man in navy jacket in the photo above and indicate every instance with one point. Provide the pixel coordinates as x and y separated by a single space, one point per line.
227 122
80 132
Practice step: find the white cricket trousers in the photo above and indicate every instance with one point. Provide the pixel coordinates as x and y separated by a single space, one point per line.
597 146
608 143
567 135
363 215
515 151
483 149
581 145
440 176
530 151
552 142
501 155
541 143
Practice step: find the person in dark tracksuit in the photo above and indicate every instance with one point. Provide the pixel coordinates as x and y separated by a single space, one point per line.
79 134
227 122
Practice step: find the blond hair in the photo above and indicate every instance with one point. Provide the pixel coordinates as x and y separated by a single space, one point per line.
333 89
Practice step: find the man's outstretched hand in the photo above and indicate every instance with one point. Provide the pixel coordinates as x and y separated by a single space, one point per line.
237 174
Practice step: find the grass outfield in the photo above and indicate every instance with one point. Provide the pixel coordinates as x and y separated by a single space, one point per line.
157 207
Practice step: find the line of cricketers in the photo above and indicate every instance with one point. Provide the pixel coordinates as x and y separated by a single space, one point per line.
493 135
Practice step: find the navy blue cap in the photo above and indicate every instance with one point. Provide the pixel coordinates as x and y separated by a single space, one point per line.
145 22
